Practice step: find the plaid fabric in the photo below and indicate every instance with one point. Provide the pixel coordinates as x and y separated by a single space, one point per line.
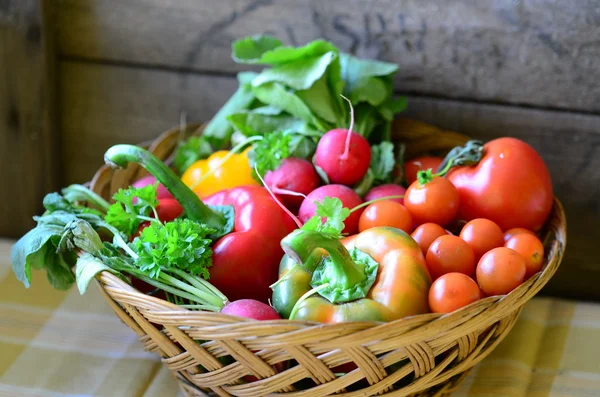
61 344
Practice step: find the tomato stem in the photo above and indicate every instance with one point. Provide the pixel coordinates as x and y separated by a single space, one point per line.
469 154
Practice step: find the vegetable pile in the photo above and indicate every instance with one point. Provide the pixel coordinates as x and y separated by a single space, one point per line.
294 203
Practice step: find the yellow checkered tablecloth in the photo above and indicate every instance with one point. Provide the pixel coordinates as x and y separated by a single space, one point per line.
61 344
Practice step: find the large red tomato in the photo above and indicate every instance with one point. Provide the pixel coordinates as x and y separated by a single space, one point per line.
511 186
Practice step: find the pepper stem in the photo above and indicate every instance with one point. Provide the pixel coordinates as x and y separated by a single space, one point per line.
195 209
349 275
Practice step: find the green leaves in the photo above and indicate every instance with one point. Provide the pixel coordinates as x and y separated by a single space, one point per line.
302 87
268 153
251 49
50 245
181 244
194 149
268 50
86 268
299 75
131 203
30 251
218 131
382 161
332 209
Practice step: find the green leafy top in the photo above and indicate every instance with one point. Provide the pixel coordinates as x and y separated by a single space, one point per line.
329 218
182 244
46 245
268 153
303 84
382 161
131 207
193 149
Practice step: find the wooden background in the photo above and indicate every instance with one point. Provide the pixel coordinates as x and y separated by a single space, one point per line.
77 76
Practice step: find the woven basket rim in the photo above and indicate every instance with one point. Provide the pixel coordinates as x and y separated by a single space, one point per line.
555 244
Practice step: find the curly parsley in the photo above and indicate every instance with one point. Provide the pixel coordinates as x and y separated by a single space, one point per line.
131 207
180 244
334 212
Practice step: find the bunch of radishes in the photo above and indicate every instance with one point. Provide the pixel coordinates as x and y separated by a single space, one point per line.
343 158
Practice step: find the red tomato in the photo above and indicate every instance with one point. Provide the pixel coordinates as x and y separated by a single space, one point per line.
517 230
532 250
500 271
385 213
511 186
425 234
411 167
482 235
449 254
437 201
452 291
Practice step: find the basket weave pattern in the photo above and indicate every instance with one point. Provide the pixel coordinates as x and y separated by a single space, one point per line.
425 355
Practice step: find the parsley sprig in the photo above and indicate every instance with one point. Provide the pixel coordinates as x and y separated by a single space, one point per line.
268 153
329 218
132 206
181 244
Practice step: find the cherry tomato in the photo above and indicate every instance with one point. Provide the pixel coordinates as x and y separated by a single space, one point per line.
385 213
511 186
532 250
517 230
482 235
426 233
437 201
500 271
411 167
449 254
452 291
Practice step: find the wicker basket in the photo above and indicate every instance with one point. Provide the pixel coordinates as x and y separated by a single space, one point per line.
425 355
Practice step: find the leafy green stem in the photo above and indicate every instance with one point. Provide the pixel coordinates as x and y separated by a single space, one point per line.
121 155
199 283
78 192
203 295
177 292
367 203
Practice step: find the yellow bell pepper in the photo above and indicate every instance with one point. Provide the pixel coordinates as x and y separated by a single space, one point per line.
234 172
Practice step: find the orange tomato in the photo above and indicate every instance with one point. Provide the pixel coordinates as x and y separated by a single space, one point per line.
517 230
482 235
452 291
532 250
449 254
436 201
385 213
500 271
426 233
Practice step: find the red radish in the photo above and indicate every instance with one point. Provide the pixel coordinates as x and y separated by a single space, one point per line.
294 175
161 192
343 155
251 308
349 200
385 191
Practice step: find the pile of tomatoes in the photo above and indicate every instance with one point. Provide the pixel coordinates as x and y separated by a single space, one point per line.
477 226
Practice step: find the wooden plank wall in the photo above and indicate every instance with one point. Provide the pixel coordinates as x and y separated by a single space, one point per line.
530 69
29 162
